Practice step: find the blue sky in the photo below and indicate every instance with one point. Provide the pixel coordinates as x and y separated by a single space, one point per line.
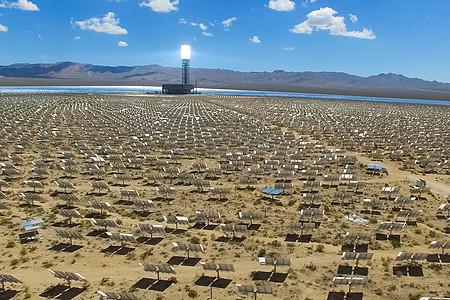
357 37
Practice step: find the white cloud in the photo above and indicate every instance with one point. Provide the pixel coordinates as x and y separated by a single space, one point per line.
305 3
163 6
20 4
108 24
77 38
122 44
282 5
353 18
202 26
255 39
227 23
3 28
302 28
25 5
325 19
288 48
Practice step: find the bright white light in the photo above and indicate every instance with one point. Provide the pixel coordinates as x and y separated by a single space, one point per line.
185 52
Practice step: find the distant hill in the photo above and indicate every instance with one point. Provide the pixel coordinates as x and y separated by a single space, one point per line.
277 80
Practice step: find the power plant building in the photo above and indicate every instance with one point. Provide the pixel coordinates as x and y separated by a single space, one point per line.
185 87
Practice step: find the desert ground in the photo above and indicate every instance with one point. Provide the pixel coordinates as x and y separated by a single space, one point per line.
208 158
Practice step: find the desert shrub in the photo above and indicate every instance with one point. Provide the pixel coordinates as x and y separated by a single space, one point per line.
173 279
106 281
261 252
147 253
275 243
192 294
195 240
395 244
14 262
392 288
311 266
373 220
10 244
320 248
47 264
435 267
414 296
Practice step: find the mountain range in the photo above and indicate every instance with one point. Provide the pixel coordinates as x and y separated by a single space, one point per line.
66 73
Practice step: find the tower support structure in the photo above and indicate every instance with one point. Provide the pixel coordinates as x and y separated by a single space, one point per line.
185 71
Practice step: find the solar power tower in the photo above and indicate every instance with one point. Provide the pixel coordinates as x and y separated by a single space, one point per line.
185 87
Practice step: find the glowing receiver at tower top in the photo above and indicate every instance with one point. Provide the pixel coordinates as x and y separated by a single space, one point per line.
185 52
